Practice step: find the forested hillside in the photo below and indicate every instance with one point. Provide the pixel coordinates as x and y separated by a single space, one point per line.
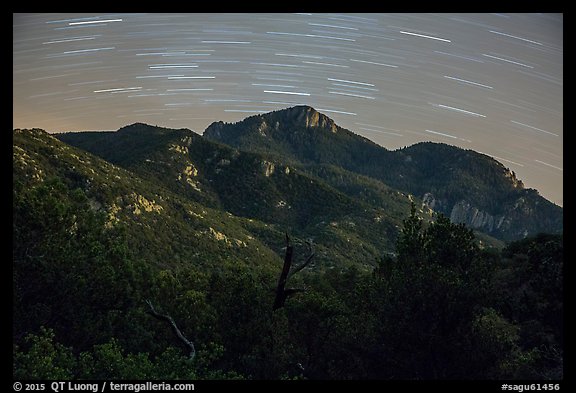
112 240
467 186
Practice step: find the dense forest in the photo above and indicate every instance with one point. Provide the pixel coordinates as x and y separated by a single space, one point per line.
440 307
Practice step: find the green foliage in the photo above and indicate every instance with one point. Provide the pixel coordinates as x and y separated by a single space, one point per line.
501 355
529 291
435 306
63 253
448 173
108 361
44 358
437 293
49 360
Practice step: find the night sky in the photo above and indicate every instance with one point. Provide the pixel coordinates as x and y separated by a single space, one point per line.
488 82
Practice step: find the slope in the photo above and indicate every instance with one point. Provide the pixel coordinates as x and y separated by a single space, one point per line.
345 228
469 187
165 228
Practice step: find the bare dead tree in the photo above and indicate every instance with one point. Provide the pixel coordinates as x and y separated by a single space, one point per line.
283 293
170 320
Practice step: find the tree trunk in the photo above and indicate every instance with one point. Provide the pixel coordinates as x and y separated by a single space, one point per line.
168 318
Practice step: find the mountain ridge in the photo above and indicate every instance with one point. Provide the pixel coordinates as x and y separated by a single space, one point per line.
141 205
468 186
198 230
252 186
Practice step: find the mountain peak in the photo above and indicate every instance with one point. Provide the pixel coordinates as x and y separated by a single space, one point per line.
135 126
280 122
306 116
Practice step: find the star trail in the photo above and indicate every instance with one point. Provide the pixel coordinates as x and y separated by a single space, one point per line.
488 82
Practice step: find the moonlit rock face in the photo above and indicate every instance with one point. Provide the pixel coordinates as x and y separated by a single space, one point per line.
310 118
488 82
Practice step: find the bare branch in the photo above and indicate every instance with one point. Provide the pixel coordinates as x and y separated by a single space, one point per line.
306 262
177 331
281 293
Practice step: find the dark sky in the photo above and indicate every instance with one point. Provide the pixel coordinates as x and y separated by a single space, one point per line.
488 82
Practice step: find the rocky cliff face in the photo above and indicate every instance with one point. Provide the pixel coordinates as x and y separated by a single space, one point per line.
309 117
516 183
214 130
521 216
464 212
278 121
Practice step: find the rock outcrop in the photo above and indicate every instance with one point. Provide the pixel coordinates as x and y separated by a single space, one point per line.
310 118
464 212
